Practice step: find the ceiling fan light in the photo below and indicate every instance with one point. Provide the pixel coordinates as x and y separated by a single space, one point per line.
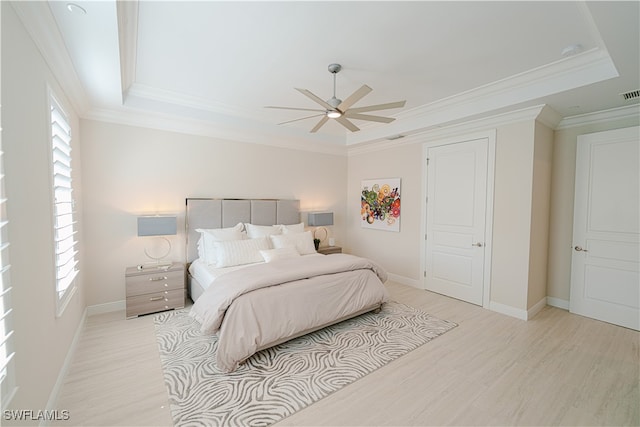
333 114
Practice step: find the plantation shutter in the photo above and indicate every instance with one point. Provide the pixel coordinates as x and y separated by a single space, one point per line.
64 222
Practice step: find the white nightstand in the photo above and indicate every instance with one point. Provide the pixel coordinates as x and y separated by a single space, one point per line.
150 290
326 250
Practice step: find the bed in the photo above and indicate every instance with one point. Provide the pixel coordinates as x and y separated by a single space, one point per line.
256 282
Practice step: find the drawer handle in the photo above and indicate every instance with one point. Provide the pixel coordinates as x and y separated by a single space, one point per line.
158 299
157 279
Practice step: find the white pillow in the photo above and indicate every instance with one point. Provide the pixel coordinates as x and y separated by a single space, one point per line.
208 236
280 253
239 252
292 228
303 242
254 231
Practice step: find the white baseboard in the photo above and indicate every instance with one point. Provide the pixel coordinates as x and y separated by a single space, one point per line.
52 403
536 308
107 307
508 310
403 280
558 302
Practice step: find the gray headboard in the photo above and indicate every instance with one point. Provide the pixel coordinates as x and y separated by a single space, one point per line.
223 213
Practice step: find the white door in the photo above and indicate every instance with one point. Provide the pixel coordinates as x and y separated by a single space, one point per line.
455 223
605 283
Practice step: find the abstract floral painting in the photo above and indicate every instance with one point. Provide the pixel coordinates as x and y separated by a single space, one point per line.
380 204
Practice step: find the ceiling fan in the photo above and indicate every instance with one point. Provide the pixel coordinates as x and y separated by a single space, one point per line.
340 110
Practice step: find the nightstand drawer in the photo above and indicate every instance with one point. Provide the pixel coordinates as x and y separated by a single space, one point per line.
155 282
153 302
327 250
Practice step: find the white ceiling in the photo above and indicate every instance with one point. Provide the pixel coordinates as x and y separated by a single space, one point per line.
215 65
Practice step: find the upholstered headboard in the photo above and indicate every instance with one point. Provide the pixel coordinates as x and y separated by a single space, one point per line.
223 213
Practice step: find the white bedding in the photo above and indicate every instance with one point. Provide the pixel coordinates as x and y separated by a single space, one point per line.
259 305
205 274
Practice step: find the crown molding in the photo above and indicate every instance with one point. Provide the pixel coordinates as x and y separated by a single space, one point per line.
542 113
127 13
221 131
600 117
586 68
38 21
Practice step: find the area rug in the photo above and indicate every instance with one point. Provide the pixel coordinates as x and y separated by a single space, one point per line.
282 380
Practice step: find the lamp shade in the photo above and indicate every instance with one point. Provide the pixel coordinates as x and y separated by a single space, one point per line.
157 225
316 219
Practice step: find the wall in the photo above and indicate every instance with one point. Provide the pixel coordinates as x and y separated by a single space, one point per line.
561 213
128 171
540 204
520 224
42 340
399 252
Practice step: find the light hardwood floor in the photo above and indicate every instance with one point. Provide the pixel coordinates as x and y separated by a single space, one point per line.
556 369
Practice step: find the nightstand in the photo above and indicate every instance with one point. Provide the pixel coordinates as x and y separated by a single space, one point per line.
150 290
326 250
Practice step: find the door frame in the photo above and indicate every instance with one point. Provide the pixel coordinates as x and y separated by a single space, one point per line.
491 137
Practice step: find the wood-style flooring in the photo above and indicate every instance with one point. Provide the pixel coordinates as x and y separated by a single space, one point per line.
556 369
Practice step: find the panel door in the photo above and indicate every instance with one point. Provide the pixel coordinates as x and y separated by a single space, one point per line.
605 283
455 223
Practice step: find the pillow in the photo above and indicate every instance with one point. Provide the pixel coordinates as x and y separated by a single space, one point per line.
303 242
280 253
292 228
208 236
238 252
254 231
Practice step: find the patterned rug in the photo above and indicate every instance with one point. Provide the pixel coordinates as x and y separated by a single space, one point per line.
279 381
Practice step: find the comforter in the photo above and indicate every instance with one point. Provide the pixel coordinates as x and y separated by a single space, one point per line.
265 304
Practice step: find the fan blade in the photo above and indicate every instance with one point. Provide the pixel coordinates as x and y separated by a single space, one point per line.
354 97
315 98
368 117
377 107
303 118
293 108
320 123
346 123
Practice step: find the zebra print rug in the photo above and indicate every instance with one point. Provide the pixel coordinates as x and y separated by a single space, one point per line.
279 381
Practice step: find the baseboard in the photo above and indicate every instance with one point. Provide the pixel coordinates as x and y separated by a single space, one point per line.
403 280
107 307
558 302
536 308
508 310
52 403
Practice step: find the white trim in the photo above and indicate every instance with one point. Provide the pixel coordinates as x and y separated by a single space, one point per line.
41 26
491 137
537 307
226 132
508 310
558 302
600 117
52 403
108 307
403 280
543 113
590 67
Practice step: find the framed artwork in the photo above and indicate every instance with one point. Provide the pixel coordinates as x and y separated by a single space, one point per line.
380 204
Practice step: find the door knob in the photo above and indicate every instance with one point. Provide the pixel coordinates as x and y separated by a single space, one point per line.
579 249
477 244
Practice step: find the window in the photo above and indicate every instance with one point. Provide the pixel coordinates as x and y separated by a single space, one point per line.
63 206
7 381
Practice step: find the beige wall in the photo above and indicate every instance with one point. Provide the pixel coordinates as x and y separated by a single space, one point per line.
541 199
562 191
521 212
129 171
396 252
42 341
